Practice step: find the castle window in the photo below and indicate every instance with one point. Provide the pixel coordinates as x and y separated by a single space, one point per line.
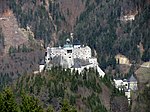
69 51
45 53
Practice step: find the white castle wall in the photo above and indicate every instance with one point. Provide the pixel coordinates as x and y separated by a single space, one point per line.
99 70
93 61
77 52
82 52
69 52
127 86
41 68
67 56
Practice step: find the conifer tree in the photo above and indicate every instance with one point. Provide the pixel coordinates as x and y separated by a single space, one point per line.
7 102
30 104
66 107
50 109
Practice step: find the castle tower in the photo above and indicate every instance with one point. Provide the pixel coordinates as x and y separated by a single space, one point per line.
47 55
67 57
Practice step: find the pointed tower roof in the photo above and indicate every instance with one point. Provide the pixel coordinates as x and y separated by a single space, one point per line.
132 79
42 62
76 65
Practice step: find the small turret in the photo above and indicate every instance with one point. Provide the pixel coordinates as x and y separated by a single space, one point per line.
68 41
71 36
42 65
47 55
68 44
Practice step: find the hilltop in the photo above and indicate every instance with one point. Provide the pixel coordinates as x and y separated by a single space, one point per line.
108 27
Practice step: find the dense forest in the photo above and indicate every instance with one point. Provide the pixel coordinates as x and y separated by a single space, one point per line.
99 25
83 92
8 103
60 90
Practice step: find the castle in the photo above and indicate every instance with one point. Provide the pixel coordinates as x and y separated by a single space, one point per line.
127 85
74 56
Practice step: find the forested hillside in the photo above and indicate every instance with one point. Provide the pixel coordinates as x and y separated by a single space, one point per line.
59 89
100 26
9 103
110 27
86 91
96 23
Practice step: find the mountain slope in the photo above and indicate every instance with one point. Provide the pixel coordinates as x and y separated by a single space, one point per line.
11 32
87 92
104 25
101 27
